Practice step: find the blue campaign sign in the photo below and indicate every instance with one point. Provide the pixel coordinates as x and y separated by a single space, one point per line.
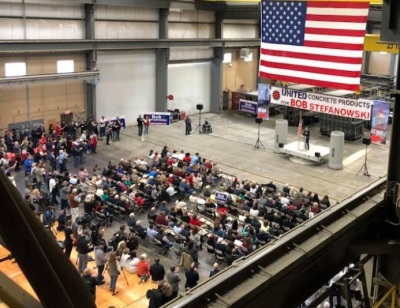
121 120
158 118
248 106
221 196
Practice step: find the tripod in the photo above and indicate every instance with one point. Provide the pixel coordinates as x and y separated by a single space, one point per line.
198 128
364 168
258 144
122 270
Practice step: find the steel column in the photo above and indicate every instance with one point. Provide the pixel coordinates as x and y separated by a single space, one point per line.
91 58
162 57
393 174
216 69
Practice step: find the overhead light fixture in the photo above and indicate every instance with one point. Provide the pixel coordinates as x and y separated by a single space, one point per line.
248 58
227 57
383 53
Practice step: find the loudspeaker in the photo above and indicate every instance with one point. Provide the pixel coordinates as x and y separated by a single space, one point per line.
317 154
367 141
199 106
281 145
259 120
176 110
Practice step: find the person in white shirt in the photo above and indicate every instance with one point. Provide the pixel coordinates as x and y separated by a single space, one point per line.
124 257
132 262
52 189
181 155
170 190
254 211
284 200
102 127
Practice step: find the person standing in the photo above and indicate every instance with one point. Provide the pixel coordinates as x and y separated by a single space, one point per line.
173 279
146 125
157 271
69 238
91 282
101 258
192 276
83 249
108 134
188 125
102 127
306 134
140 122
113 271
215 270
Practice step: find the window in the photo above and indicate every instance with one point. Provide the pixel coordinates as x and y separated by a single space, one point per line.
15 69
65 66
227 58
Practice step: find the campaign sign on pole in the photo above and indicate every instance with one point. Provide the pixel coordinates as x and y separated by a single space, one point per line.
121 120
158 118
221 197
248 106
339 106
379 122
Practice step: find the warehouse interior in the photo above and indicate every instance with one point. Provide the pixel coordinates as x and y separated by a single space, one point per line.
88 59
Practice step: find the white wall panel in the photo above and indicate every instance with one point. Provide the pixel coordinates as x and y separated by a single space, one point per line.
379 63
11 29
125 13
190 84
239 31
55 11
191 16
190 31
126 30
54 29
127 84
42 10
198 53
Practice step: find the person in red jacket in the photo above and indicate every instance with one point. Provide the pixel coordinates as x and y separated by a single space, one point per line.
143 268
195 221
58 129
93 139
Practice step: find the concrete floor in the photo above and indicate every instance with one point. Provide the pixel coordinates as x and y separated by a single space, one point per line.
231 146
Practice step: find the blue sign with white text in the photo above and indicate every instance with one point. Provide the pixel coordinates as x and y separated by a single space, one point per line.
248 106
221 196
158 118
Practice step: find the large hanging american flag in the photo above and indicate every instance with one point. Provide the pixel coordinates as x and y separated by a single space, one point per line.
317 43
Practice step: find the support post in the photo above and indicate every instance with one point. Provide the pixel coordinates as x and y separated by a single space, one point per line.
216 69
91 59
162 57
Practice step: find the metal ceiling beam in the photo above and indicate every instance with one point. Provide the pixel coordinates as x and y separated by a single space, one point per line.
50 77
31 46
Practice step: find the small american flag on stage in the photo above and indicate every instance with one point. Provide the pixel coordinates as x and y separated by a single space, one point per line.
300 127
313 42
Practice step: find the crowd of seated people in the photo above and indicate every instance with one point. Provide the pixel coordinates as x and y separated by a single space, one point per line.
177 191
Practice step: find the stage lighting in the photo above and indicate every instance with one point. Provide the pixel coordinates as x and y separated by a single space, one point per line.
317 154
199 106
259 120
366 141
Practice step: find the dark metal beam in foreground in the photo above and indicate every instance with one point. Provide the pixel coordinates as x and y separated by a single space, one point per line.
27 46
51 274
298 263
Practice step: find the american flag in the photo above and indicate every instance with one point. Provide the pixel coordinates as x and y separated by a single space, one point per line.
317 43
300 127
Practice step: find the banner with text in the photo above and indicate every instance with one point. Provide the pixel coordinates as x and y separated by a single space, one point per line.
248 106
221 197
121 120
339 106
379 121
158 118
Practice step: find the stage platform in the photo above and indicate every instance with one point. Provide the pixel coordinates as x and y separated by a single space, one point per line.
295 150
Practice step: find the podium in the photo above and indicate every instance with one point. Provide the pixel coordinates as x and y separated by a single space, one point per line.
301 143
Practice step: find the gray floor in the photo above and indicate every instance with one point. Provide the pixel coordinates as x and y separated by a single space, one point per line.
231 146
